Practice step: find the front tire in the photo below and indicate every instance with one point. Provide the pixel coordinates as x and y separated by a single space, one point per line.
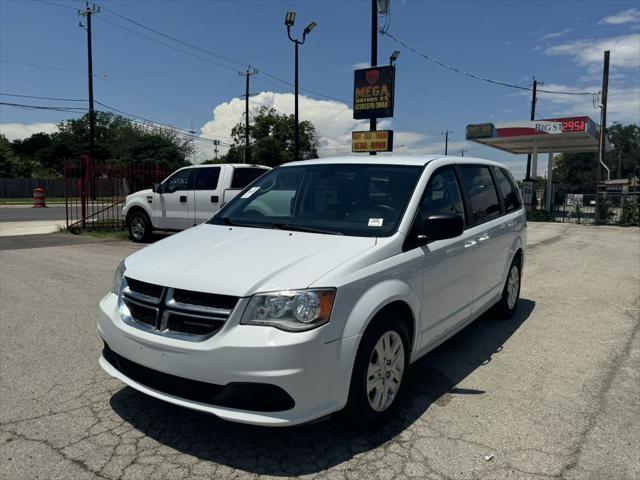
379 373
139 227
508 304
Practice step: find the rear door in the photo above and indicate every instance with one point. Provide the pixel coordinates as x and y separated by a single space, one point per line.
207 192
176 201
486 230
448 265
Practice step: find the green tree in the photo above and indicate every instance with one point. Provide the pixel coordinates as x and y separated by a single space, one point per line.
7 157
118 141
577 171
271 136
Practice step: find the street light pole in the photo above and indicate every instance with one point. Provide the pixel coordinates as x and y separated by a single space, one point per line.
289 21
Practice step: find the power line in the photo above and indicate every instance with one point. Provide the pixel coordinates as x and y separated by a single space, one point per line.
177 40
160 124
43 98
58 108
472 75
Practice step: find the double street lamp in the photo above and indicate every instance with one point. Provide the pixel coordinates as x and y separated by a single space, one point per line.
289 21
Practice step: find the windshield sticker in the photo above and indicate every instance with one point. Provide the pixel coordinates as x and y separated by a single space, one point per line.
375 222
250 192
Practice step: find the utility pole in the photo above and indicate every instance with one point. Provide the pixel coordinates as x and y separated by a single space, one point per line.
446 140
374 52
533 117
603 130
462 150
247 74
87 13
215 148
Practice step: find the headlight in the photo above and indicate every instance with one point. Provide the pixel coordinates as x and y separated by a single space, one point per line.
293 310
117 277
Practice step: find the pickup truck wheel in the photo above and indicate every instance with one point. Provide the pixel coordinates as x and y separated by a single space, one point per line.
139 227
379 372
508 304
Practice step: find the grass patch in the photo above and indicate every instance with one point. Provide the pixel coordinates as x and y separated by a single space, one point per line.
106 234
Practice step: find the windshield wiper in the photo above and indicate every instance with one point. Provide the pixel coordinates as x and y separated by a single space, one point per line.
298 228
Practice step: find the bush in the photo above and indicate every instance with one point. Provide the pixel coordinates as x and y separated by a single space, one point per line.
539 216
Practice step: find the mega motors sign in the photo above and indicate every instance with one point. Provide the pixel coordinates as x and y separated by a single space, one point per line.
372 141
373 92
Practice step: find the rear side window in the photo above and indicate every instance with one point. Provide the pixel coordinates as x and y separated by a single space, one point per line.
244 176
508 191
479 188
207 178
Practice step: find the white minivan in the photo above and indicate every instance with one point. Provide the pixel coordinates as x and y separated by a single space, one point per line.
316 287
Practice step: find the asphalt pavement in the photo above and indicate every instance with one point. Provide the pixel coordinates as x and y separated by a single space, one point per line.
551 393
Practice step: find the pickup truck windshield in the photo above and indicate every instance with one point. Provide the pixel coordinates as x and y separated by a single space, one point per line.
342 199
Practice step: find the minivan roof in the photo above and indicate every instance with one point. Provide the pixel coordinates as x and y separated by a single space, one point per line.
415 160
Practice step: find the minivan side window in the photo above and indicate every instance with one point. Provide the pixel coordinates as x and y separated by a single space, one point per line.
508 191
481 192
244 176
207 178
442 195
182 180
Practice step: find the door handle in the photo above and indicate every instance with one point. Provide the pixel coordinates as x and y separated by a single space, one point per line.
183 199
214 199
484 237
470 243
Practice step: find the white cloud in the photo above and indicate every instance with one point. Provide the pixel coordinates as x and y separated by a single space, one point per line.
556 34
626 16
333 121
19 131
625 51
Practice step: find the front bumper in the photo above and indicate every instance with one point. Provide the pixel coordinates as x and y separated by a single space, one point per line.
313 373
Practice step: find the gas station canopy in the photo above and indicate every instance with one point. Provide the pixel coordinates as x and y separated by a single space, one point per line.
561 135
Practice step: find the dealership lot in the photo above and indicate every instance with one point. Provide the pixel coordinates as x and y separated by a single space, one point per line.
550 393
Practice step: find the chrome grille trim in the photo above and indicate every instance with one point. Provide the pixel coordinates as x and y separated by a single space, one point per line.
131 295
222 313
164 307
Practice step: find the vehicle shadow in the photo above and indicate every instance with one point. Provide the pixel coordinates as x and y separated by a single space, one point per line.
312 448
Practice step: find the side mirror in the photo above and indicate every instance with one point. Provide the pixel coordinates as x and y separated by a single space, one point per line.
441 227
157 188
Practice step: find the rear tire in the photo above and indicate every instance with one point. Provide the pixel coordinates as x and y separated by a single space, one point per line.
139 226
508 304
379 372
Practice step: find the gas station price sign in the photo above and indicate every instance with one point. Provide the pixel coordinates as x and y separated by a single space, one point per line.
373 92
372 141
578 125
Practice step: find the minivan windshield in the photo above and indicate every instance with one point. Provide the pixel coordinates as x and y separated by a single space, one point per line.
364 200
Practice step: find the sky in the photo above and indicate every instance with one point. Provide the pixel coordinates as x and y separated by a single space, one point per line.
177 63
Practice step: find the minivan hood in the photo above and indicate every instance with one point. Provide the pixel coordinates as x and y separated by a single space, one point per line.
241 261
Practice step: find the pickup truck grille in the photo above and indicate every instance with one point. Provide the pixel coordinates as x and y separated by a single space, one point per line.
184 314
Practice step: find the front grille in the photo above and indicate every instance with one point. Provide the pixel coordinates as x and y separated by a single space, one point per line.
166 311
193 325
142 313
259 397
204 299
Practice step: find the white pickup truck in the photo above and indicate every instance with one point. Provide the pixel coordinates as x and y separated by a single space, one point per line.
189 196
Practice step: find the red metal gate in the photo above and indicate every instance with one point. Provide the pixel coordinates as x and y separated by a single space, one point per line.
94 193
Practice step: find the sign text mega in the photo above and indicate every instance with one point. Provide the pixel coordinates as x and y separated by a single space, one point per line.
373 92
